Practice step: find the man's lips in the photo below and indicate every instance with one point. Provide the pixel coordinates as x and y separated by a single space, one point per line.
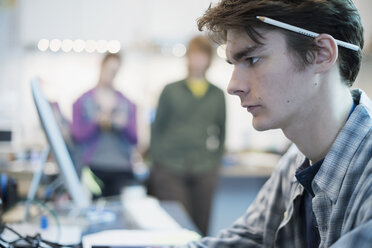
251 107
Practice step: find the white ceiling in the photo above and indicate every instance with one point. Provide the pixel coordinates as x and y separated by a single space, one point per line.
162 21
124 20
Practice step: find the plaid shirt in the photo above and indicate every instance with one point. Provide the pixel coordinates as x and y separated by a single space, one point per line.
343 195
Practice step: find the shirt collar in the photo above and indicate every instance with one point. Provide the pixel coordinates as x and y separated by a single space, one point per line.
306 173
332 172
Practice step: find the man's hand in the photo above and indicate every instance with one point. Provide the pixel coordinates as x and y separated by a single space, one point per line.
119 120
104 121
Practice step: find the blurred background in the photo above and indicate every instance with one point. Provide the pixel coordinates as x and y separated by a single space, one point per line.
62 43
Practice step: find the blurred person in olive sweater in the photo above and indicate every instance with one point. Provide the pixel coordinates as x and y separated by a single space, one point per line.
187 137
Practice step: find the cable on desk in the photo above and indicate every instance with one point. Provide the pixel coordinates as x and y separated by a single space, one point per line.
14 242
43 205
32 241
4 241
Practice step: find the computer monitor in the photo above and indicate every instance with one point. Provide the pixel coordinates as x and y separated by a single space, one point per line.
5 144
6 136
58 147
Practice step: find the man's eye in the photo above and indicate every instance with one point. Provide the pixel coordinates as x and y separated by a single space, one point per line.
252 60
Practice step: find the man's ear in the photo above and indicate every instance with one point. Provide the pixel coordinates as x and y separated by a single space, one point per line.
327 52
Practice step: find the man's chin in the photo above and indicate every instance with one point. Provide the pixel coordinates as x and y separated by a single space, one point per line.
260 126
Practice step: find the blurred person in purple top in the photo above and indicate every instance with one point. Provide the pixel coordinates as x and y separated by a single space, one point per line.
105 129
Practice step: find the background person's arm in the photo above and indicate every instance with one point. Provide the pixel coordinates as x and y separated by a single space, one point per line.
160 123
222 124
124 119
84 123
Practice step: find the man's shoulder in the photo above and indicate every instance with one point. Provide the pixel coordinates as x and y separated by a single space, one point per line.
359 131
86 95
176 84
215 88
363 155
172 87
363 99
124 98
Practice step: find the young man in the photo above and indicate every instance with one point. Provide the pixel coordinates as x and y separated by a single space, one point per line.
187 137
320 194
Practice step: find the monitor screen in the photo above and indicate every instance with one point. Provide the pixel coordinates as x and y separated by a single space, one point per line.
5 135
5 139
58 146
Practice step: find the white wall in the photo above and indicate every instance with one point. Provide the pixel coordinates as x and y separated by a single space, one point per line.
365 8
125 20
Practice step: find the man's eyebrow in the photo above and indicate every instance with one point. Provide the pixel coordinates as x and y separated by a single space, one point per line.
244 52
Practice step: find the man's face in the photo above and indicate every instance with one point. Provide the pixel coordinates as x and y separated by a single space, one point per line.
109 70
267 81
198 63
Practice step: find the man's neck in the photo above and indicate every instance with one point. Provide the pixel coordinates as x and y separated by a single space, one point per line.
103 86
315 131
196 75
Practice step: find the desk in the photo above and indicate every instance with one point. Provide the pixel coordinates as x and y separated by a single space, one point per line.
173 208
179 214
251 164
120 221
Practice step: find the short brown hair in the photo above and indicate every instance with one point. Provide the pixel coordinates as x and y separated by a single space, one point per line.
339 18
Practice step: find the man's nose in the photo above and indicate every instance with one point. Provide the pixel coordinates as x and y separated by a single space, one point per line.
238 84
